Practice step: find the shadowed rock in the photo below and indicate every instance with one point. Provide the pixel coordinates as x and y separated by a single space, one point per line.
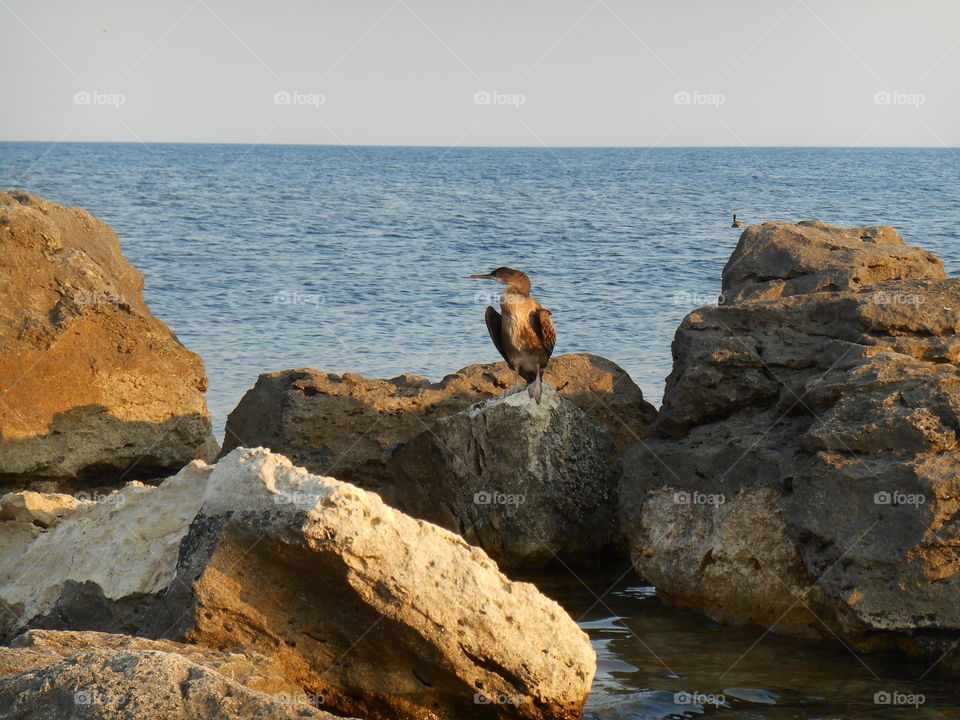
804 471
527 482
92 384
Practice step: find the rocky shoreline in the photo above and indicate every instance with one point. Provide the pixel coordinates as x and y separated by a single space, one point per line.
343 553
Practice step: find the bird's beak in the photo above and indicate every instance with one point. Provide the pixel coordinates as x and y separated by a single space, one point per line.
481 277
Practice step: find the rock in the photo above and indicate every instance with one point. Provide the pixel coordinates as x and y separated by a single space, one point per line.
38 648
348 425
96 388
526 482
68 676
777 259
804 471
41 509
382 615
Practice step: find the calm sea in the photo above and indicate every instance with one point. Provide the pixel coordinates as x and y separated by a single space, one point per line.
354 259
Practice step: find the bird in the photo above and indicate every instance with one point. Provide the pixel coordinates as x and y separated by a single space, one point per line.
736 223
524 333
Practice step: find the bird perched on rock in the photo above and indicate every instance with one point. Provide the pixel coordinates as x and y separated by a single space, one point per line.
736 223
523 333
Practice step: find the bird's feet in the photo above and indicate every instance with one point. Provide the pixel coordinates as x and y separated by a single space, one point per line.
535 390
517 387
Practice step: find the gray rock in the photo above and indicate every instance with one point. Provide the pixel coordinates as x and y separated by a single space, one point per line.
526 482
804 470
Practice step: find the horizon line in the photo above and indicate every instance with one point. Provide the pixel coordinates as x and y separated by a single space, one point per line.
484 147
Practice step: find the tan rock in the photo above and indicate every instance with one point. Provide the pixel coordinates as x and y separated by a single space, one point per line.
141 684
382 615
348 425
778 259
94 385
41 509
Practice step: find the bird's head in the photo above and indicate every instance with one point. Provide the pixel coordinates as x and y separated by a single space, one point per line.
508 276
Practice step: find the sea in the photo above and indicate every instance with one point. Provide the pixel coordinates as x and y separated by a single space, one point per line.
355 259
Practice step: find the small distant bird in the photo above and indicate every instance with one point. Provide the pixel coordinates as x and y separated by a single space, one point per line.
524 334
736 223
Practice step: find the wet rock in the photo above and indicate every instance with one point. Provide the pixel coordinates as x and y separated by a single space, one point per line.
804 471
382 615
95 386
526 482
347 425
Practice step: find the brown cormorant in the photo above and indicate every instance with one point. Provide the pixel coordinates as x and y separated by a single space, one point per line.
524 332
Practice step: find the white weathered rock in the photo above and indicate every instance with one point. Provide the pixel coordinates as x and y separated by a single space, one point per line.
383 615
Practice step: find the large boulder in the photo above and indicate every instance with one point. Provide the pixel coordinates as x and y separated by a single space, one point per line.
96 676
527 482
94 387
348 425
382 615
777 259
804 471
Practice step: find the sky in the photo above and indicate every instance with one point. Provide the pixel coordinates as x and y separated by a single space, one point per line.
851 73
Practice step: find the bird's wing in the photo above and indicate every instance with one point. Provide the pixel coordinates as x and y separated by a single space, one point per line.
495 328
543 324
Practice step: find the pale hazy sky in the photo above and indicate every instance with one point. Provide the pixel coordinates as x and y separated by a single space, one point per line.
556 72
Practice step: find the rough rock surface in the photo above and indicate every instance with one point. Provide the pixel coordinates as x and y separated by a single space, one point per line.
382 615
804 472
778 259
80 675
525 482
41 509
347 425
92 385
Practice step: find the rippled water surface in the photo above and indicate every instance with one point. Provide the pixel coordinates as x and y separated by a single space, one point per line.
354 259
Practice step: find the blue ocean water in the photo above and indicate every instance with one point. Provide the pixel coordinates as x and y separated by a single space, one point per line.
354 258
